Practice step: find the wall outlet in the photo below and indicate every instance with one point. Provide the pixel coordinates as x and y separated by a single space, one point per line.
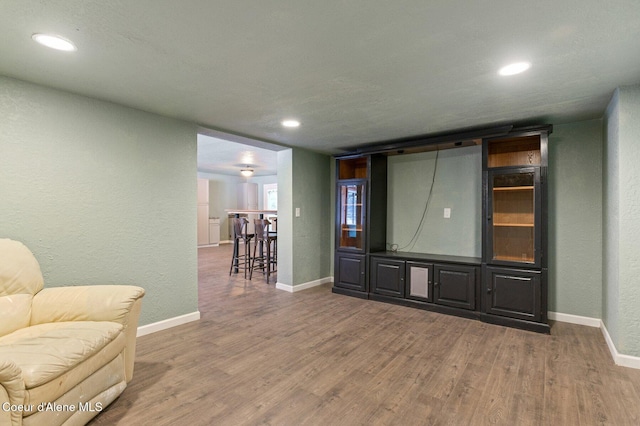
447 212
297 211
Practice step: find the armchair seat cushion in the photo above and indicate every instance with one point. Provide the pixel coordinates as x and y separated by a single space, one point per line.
46 351
54 358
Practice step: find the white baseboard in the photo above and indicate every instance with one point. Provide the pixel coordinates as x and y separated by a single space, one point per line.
304 286
168 323
618 358
575 319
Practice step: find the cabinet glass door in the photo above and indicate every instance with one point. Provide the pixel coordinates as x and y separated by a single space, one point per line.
513 216
351 215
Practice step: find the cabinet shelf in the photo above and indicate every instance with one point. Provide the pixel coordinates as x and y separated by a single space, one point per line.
346 228
515 225
514 188
521 259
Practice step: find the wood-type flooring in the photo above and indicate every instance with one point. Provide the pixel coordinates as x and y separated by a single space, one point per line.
265 356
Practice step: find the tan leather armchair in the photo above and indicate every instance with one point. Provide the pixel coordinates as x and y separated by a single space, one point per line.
65 352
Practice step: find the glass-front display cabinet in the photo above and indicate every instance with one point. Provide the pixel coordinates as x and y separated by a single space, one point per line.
513 218
351 215
360 219
513 203
351 204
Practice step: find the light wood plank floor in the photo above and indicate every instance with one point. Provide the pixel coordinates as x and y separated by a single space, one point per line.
264 356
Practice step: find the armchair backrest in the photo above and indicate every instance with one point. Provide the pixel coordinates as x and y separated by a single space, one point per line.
20 280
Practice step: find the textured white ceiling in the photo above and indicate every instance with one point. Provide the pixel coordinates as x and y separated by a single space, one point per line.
352 72
225 157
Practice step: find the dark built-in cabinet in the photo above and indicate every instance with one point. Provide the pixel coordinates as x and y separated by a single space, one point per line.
455 286
513 293
431 281
387 276
507 285
351 272
514 259
361 220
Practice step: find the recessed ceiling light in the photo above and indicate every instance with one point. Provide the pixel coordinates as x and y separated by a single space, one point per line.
54 42
515 68
290 123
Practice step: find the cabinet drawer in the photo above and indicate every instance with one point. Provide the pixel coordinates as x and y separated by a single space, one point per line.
512 293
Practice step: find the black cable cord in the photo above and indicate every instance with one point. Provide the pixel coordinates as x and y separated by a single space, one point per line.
414 239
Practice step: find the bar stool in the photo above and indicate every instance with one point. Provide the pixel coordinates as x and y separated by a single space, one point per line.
240 234
263 242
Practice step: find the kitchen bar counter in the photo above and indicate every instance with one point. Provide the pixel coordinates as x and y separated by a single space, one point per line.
234 211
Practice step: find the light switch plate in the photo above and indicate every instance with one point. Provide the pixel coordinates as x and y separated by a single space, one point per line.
447 212
297 211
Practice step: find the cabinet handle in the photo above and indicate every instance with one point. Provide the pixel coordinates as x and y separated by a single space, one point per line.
436 284
515 278
488 291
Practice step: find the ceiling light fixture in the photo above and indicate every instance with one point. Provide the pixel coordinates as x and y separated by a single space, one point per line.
54 42
290 123
513 69
246 172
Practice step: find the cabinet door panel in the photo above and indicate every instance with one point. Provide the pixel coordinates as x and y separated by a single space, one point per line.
455 286
513 293
513 225
351 215
419 281
387 277
350 271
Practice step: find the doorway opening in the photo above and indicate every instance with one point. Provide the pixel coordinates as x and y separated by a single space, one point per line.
234 174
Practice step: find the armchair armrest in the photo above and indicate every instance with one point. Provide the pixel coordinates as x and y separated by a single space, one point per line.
85 303
11 393
118 303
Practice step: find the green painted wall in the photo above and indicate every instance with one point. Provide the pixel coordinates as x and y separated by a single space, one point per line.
622 204
629 220
575 218
312 230
458 185
101 194
610 219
